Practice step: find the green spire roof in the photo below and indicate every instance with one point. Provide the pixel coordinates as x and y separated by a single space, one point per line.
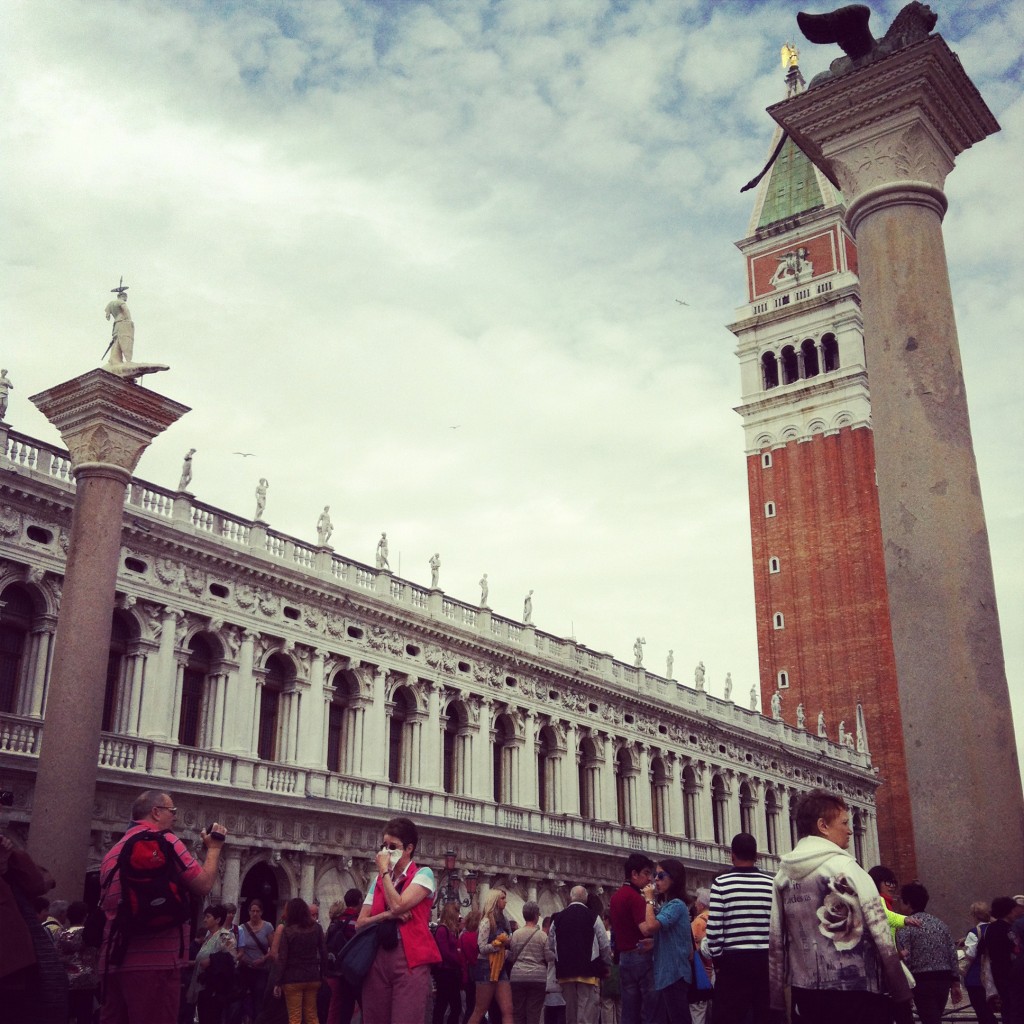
792 187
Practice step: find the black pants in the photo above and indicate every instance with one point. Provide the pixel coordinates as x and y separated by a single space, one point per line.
448 997
741 987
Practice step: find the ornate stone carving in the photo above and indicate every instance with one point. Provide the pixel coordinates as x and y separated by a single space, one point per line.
10 521
907 154
168 571
195 579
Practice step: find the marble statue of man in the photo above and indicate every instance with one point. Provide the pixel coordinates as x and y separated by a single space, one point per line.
842 732
186 470
801 717
435 569
528 608
638 651
728 686
5 389
822 731
261 497
670 662
753 697
122 342
776 705
324 526
484 590
382 552
698 676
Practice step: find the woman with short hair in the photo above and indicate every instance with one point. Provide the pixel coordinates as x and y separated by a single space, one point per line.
213 977
529 968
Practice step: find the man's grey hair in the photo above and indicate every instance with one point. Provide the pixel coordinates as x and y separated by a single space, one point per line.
578 894
145 802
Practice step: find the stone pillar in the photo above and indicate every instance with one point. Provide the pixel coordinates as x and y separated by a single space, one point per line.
312 752
375 726
106 424
608 810
244 710
433 759
483 774
307 877
158 701
528 782
569 800
43 649
642 810
888 135
231 887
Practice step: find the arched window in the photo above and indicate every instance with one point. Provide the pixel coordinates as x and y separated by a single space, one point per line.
659 795
830 352
771 820
766 460
778 622
200 658
783 679
455 755
278 678
624 773
547 771
690 791
790 367
342 725
400 736
589 766
769 510
774 565
116 701
747 805
857 823
16 614
769 371
720 810
810 353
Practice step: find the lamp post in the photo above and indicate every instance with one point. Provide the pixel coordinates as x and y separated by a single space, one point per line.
448 890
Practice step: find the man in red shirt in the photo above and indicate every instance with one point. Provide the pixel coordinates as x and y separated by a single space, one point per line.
636 965
145 985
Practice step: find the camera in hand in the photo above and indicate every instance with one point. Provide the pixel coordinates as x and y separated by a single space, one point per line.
217 837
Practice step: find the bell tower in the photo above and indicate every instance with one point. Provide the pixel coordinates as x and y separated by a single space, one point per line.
823 633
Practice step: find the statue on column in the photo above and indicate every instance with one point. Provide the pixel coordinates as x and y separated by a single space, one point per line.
753 697
728 686
777 706
484 590
122 339
822 731
435 569
698 676
842 732
670 664
801 717
638 651
324 526
261 497
186 470
5 389
528 608
382 552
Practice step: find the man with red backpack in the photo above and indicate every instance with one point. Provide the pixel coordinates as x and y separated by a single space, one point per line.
145 882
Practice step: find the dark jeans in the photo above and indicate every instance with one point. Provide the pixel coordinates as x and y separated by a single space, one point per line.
527 1001
671 1004
447 997
741 987
470 990
831 1006
979 1003
931 990
636 978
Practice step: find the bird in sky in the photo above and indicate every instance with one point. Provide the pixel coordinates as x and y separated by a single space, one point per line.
681 303
244 455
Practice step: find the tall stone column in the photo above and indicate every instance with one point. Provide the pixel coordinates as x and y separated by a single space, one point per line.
106 424
888 135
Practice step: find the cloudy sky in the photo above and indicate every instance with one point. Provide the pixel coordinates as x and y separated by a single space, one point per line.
423 260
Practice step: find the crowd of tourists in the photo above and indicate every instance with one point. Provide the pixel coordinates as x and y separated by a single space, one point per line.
820 942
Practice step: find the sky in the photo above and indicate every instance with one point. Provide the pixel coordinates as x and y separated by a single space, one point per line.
423 261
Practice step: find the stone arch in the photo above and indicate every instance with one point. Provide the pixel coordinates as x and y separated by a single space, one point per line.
272 883
816 426
549 755
403 712
503 753
22 606
720 795
125 632
589 761
456 745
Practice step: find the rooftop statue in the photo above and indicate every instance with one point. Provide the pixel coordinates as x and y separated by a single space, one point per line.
122 339
5 389
261 498
848 27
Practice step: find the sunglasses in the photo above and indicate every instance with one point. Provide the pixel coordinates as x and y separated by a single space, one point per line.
660 876
391 846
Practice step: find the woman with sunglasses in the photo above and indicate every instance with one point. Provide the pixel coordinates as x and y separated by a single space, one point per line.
398 985
668 921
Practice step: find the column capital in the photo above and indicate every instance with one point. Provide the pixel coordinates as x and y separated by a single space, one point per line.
106 422
905 117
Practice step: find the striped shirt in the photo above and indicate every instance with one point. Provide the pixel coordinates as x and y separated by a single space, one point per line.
740 911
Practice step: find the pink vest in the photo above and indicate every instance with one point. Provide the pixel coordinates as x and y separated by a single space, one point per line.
420 947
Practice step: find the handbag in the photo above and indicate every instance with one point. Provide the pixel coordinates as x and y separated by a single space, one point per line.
353 963
700 974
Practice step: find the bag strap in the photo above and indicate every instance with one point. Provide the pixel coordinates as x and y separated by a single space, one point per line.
259 945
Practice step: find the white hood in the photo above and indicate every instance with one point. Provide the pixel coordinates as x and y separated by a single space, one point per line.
808 856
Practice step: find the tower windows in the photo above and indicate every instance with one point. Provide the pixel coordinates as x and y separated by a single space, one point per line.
830 353
810 358
778 622
783 680
769 371
774 565
766 460
790 365
769 510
